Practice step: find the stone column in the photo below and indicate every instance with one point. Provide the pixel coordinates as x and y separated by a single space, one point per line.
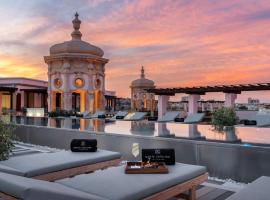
193 131
230 100
50 101
162 129
49 95
67 99
0 103
90 97
22 99
14 101
203 106
37 100
162 105
193 103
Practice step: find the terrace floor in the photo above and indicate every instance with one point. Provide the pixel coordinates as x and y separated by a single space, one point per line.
216 190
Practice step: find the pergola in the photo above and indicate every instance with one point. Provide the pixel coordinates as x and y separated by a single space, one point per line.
194 93
236 89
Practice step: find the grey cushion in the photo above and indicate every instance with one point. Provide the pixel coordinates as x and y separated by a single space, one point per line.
31 189
194 118
135 116
42 163
169 116
114 184
97 113
262 119
257 190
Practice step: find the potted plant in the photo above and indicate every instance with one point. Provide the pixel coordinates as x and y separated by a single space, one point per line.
224 120
6 137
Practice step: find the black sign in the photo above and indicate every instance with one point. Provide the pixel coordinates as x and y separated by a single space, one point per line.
159 155
83 145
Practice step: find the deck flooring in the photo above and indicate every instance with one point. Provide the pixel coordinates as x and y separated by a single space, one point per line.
214 190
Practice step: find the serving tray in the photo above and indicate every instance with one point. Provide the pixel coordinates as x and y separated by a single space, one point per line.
146 168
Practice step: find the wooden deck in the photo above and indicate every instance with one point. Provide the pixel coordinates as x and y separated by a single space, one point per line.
213 190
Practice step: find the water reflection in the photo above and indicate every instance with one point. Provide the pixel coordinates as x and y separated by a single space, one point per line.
146 128
142 128
163 131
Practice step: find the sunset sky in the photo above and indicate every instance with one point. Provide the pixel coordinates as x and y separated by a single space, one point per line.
180 42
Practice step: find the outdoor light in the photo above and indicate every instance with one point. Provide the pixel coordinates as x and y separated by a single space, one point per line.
35 112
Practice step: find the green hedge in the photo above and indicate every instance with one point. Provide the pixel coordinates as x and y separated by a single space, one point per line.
6 137
224 117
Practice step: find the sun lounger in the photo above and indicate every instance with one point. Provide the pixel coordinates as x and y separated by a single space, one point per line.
262 119
97 114
110 184
57 165
135 116
194 118
120 115
169 116
17 187
258 189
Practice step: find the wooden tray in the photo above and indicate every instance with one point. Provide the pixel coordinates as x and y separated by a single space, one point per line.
146 168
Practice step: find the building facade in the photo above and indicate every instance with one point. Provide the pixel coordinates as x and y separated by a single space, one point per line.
17 93
141 100
76 74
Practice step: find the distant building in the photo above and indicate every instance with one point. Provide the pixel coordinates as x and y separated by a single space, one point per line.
17 93
141 100
122 104
253 101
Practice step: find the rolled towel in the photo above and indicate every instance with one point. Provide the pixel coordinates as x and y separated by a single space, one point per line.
83 145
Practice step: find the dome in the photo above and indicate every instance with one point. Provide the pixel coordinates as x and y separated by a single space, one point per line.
76 45
143 82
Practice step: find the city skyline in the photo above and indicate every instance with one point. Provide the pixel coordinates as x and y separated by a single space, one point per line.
180 43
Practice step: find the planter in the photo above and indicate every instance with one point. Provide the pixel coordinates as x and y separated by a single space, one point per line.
230 135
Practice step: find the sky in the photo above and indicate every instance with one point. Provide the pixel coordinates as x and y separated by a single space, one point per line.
179 42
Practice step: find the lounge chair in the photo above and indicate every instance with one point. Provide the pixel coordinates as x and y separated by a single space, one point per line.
109 184
58 165
262 119
134 116
169 116
97 114
120 115
257 190
194 118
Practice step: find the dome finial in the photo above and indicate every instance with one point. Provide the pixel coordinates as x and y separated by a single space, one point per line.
142 72
76 34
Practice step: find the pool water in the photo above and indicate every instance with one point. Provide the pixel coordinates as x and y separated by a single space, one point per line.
246 135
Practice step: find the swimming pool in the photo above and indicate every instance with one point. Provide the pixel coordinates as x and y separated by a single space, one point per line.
152 129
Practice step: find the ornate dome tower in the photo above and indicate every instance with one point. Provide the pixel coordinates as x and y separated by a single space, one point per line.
141 100
76 74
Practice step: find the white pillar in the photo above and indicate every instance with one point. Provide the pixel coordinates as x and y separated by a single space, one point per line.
22 99
203 106
230 100
193 131
90 102
162 129
49 100
14 101
0 103
37 100
193 103
67 98
162 105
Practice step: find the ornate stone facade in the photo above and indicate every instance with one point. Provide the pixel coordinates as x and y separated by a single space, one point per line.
76 74
141 100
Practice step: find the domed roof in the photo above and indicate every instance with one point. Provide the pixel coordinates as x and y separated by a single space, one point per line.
76 45
143 82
